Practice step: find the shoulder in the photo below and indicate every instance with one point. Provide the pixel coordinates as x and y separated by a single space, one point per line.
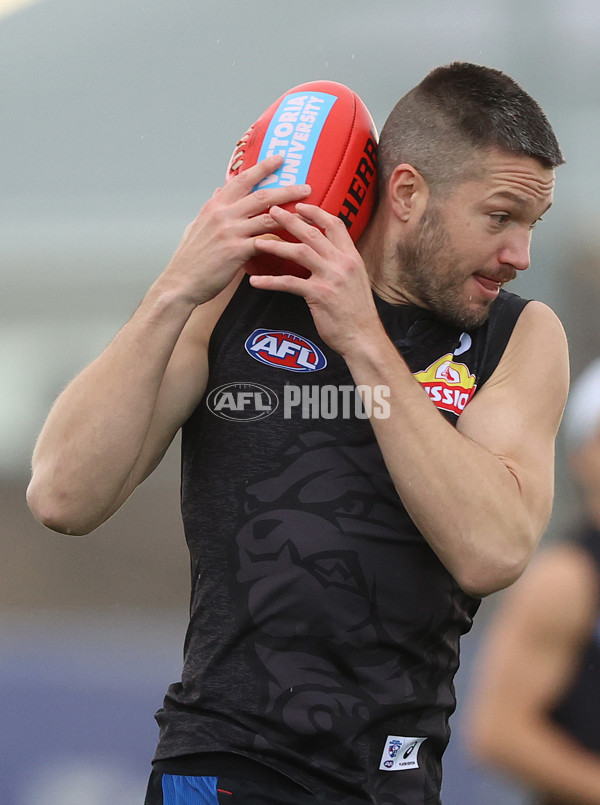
510 321
513 315
538 319
532 374
529 321
536 352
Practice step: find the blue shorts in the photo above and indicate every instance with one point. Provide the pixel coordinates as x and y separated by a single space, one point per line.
181 789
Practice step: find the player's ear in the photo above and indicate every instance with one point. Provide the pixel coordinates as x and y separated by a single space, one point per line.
408 193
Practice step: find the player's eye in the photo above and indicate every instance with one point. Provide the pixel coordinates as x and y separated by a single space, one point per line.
500 218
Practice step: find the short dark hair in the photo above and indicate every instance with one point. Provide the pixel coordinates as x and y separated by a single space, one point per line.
455 110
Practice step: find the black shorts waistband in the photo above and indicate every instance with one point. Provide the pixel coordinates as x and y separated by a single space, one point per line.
226 764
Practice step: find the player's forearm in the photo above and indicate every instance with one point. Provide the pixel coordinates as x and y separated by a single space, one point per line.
464 500
95 432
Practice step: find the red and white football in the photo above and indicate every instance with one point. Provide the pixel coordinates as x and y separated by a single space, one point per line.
328 140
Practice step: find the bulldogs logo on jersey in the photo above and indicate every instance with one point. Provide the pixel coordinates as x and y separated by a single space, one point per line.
285 350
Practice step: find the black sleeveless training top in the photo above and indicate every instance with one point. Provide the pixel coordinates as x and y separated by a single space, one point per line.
324 632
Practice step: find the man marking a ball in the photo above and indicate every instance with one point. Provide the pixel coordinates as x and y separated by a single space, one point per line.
336 561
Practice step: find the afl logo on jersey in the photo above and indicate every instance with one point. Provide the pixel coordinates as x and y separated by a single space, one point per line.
285 350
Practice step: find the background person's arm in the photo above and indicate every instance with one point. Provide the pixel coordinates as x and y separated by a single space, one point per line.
527 662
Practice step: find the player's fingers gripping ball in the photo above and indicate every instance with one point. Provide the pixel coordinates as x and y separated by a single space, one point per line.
328 140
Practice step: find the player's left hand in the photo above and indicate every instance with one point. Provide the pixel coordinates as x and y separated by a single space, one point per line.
338 291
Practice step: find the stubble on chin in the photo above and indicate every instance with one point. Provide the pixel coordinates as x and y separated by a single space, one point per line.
429 272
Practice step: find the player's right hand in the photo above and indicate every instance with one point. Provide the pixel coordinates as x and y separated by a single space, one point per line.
222 237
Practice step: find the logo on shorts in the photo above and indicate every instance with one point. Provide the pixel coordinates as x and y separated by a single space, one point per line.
285 350
400 753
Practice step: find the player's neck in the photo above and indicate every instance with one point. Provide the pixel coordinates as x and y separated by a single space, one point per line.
381 260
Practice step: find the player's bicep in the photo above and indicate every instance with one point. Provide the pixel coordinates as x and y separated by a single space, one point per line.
517 413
